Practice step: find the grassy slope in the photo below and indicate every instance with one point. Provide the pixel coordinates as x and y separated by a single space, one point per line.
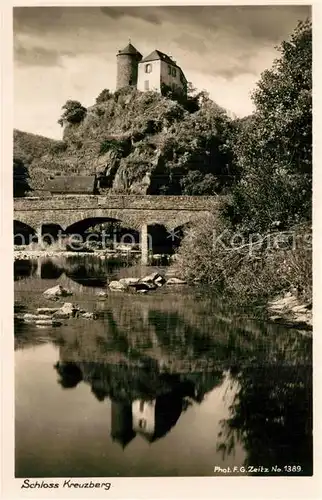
36 152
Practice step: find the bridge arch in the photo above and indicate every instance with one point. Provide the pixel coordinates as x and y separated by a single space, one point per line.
23 234
160 239
84 224
177 233
107 232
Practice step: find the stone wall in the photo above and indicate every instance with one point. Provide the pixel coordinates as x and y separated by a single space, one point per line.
127 71
154 202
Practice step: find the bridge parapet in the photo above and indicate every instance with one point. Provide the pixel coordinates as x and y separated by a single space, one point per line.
125 202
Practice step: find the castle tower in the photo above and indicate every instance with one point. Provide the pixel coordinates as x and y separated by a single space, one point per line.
121 423
127 66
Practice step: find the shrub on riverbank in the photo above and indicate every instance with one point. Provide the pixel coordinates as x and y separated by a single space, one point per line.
254 268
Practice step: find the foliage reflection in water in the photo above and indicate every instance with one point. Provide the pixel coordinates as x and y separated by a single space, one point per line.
202 383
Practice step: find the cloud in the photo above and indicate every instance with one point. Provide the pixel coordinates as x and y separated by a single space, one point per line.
266 22
211 32
36 19
226 61
191 42
148 14
269 22
37 55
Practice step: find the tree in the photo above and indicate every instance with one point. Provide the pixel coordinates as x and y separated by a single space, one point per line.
274 148
283 101
195 183
20 178
190 98
104 96
202 151
74 113
281 432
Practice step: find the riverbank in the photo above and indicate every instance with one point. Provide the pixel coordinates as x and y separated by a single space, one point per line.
36 254
272 271
32 254
290 311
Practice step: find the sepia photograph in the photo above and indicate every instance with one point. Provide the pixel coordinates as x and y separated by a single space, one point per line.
162 242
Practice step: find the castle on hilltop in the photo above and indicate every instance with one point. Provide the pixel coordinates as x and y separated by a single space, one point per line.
153 72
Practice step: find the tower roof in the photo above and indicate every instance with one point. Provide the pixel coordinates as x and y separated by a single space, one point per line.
129 50
125 438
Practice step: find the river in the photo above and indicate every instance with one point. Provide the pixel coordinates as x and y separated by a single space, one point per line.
173 383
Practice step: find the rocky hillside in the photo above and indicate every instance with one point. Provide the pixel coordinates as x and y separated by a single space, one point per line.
141 143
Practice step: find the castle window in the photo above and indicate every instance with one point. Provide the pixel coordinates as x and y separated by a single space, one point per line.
146 85
174 72
169 70
141 405
142 423
148 68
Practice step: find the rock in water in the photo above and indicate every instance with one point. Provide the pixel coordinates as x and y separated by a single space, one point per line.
34 317
160 280
116 285
88 315
151 277
47 310
68 310
144 287
176 281
129 281
47 322
57 291
153 280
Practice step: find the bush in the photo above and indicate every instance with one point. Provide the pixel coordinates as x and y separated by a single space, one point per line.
250 269
119 147
58 147
197 258
104 96
195 183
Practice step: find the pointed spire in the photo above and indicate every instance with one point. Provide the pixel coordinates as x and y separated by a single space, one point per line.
130 50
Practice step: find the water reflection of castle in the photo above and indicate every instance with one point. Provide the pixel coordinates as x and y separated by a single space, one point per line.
150 417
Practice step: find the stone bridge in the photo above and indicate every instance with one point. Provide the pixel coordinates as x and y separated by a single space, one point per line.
133 211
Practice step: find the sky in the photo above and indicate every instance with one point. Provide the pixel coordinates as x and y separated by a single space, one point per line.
65 53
